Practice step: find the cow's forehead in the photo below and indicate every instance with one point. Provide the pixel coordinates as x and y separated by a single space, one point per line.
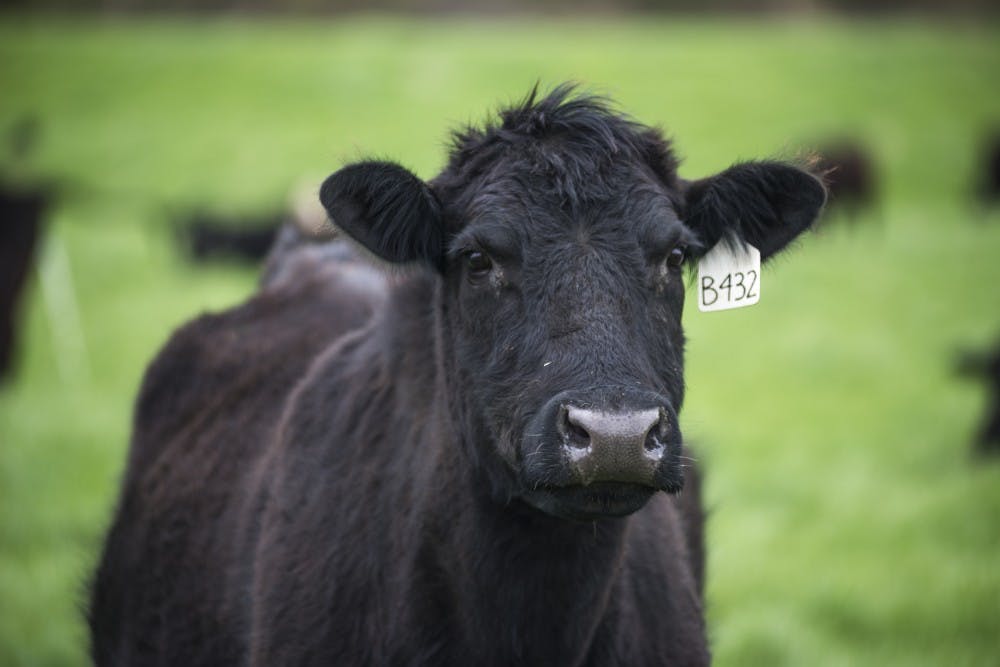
526 200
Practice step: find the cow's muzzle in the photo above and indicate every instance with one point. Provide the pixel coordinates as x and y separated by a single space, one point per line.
587 456
612 445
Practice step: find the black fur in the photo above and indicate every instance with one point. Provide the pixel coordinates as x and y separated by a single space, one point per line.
354 469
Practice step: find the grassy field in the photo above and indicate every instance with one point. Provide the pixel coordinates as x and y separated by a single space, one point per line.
849 524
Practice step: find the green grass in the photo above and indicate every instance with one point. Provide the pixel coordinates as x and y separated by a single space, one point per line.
849 524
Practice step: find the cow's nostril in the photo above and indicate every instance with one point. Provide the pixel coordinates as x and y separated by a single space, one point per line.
657 434
578 436
653 442
574 432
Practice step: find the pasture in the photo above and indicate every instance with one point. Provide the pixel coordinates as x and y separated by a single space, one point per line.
848 522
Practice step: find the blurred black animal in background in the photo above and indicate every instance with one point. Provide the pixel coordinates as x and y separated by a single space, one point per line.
22 208
988 169
20 230
208 237
851 178
984 366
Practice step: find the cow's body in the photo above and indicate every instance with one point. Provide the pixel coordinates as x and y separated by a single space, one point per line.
206 414
355 469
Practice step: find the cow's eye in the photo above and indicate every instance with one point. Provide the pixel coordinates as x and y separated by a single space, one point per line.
676 257
478 262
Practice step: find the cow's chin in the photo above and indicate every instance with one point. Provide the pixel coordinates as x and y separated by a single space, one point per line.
600 500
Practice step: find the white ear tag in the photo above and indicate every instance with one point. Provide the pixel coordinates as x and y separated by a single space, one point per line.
728 277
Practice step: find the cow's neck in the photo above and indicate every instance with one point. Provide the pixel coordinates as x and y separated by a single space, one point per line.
516 586
532 583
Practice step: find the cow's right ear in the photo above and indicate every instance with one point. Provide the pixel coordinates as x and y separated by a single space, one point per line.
388 210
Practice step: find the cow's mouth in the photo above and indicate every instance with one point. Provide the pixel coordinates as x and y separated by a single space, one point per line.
593 501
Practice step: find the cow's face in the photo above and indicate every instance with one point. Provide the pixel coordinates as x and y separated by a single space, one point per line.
561 246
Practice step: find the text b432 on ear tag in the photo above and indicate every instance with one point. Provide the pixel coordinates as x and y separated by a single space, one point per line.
728 277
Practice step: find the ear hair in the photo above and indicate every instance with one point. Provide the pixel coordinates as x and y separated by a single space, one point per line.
765 204
388 210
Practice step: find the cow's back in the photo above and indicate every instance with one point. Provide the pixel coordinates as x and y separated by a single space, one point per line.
169 586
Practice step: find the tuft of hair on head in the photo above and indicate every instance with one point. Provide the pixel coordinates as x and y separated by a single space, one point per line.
566 119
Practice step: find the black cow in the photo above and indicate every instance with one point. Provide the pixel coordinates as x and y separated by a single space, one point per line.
850 175
988 187
21 224
207 236
984 365
22 211
458 462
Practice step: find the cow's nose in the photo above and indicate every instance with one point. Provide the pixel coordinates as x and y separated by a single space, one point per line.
614 446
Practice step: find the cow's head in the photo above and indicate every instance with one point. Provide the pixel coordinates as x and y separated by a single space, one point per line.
561 235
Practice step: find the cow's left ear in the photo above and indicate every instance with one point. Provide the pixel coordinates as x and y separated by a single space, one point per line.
388 210
765 204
